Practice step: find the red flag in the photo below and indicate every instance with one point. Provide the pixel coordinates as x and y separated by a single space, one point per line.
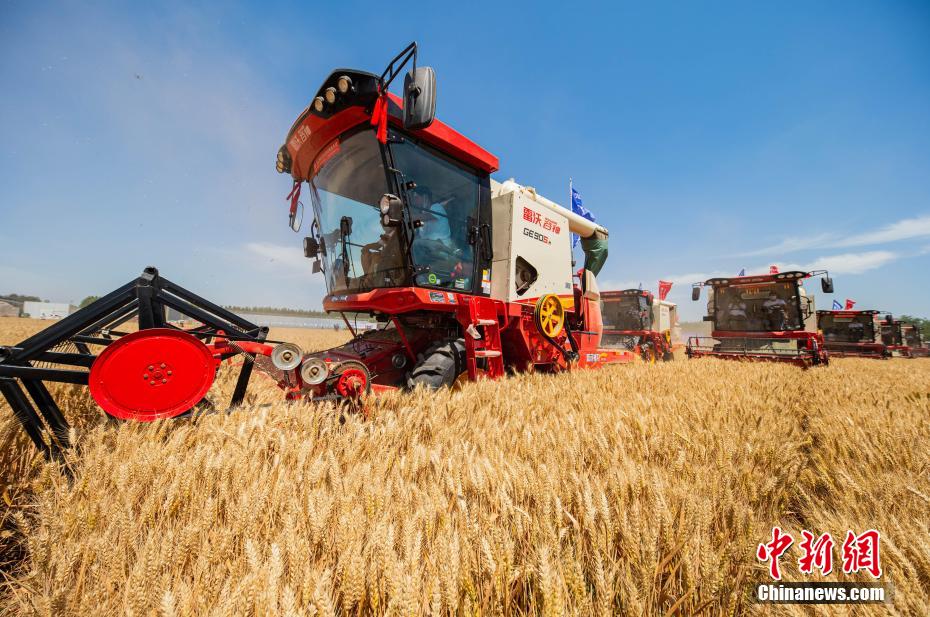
773 269
849 304
664 288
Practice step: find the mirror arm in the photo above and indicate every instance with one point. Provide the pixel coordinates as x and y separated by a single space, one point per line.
410 51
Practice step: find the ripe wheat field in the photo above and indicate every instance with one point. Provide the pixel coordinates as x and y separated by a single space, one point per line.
640 490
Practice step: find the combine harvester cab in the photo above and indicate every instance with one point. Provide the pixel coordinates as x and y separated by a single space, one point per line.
855 334
635 320
915 340
466 276
892 333
765 317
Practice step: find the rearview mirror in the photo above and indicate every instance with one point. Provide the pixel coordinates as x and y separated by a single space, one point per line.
419 98
695 294
296 217
826 284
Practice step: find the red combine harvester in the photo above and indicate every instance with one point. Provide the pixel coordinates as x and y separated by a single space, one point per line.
914 341
893 337
634 320
763 317
466 276
853 333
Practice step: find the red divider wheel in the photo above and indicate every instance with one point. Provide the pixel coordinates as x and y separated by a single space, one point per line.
152 374
354 379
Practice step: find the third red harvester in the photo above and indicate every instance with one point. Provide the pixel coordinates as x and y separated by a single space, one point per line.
853 333
761 317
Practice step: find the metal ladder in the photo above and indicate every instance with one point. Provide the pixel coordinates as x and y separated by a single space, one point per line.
479 317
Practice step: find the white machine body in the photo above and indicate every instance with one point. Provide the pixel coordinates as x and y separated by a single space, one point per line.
531 239
665 318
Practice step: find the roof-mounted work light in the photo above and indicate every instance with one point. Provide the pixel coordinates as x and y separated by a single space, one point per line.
344 84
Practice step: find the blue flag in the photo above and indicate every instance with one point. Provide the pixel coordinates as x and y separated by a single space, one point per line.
837 306
742 272
579 209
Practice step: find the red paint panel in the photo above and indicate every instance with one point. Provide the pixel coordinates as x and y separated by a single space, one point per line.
311 134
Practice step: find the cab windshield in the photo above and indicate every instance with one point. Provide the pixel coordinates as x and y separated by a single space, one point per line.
911 336
626 313
348 181
848 328
761 307
442 202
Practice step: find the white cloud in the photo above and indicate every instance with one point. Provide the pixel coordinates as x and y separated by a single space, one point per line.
679 281
790 245
846 263
905 229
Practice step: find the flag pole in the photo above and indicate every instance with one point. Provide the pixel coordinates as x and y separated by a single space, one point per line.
571 207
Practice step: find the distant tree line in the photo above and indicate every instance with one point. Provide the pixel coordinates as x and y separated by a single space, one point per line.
20 298
276 310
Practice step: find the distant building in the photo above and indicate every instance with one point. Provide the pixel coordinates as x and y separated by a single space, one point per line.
8 309
47 310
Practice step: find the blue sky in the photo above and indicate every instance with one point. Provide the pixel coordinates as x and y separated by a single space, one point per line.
707 137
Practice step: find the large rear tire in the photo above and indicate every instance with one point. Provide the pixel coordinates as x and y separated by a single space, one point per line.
440 365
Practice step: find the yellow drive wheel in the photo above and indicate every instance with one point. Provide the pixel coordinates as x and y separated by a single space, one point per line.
550 315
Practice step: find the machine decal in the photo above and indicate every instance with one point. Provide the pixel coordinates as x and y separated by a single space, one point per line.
486 281
451 297
460 283
300 136
432 278
325 155
535 235
531 216
593 357
437 296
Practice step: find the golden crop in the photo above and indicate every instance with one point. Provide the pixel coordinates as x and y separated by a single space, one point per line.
639 489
